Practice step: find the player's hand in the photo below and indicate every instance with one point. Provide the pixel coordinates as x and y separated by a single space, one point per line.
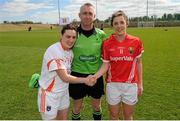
140 90
90 80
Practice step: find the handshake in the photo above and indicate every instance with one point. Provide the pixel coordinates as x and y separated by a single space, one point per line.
90 80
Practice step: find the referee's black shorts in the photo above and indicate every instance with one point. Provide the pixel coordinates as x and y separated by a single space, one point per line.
78 91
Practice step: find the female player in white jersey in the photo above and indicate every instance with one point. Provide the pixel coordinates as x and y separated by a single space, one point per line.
53 96
121 55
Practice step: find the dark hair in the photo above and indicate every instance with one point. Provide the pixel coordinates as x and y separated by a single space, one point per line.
119 13
67 27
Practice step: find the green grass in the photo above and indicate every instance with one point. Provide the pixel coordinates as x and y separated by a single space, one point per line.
21 55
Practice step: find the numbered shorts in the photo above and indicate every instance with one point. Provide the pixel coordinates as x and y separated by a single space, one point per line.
117 92
49 103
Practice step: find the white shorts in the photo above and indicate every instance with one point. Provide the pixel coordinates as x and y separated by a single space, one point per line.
49 103
125 92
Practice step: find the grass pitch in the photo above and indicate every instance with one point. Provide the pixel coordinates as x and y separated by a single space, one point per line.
21 55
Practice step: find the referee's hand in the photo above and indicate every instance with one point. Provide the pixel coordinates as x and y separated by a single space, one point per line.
91 80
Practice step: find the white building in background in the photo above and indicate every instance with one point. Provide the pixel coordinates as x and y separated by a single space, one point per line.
64 21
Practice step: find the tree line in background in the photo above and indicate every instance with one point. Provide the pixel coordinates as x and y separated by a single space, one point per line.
21 22
165 17
165 20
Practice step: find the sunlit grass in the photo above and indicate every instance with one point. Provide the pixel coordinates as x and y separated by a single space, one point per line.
21 55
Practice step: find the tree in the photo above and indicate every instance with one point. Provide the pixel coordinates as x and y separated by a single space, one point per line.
5 22
164 17
145 18
177 16
107 20
169 17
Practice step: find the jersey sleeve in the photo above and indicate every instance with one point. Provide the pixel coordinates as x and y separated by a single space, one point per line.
54 63
101 34
140 49
104 52
104 36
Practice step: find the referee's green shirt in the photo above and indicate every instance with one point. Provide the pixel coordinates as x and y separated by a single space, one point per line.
87 52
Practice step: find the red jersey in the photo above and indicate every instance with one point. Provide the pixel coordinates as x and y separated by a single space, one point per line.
122 57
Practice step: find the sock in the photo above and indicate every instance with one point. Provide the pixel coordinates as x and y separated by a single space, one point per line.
97 115
76 116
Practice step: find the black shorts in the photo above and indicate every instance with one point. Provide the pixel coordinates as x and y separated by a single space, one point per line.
78 91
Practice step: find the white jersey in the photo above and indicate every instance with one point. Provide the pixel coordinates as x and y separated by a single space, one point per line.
55 58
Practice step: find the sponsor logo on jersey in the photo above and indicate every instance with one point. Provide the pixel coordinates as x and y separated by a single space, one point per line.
131 50
122 58
87 58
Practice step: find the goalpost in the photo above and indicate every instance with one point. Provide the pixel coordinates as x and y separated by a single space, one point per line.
146 24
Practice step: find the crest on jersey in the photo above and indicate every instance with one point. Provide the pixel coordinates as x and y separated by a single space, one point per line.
131 50
48 108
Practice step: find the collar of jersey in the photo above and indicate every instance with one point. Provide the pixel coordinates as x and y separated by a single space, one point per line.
63 47
114 39
80 30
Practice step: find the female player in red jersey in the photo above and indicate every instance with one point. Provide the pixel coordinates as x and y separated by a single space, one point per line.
121 55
